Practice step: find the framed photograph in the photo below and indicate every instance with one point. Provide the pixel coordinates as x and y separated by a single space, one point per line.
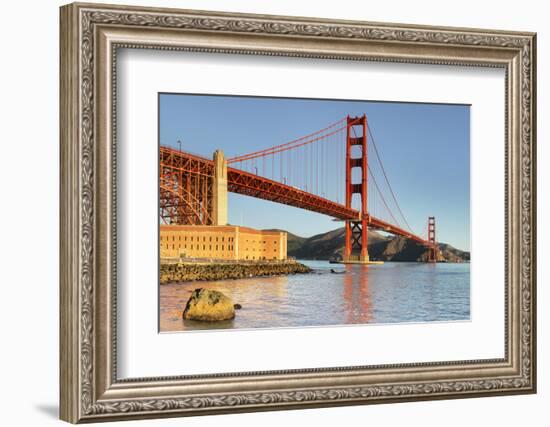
267 212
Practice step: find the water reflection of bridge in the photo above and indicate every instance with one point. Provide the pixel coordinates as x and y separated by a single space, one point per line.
356 295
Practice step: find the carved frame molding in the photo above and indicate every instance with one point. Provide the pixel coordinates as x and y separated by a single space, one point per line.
90 37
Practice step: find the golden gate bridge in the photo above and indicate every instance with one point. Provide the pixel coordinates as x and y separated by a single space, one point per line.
192 187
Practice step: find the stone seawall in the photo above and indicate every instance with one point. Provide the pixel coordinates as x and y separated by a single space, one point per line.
188 272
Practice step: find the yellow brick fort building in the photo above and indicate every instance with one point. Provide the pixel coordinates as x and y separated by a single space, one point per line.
223 242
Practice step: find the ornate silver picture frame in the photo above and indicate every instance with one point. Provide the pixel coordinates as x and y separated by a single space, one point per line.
91 390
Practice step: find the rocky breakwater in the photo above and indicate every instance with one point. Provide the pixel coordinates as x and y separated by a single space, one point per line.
187 272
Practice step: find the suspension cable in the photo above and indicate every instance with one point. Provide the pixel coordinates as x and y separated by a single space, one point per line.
386 178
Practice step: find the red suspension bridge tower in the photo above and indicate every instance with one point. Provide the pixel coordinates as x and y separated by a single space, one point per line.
432 248
357 230
356 239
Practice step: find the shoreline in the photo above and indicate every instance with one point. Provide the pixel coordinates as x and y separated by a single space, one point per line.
195 272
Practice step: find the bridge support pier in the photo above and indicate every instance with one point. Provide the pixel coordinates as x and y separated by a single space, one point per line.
356 242
219 189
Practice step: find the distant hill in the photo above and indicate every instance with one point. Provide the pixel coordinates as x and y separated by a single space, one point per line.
330 246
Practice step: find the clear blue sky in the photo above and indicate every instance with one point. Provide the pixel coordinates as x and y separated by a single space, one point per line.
425 149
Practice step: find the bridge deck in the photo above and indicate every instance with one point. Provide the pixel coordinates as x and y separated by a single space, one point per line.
249 184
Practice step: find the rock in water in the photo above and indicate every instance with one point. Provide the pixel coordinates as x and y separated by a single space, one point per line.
208 305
